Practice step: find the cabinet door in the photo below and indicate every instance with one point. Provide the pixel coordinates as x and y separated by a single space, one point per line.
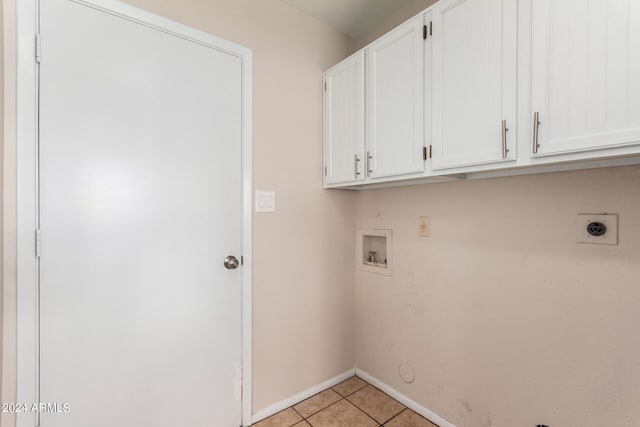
394 102
585 74
474 82
344 121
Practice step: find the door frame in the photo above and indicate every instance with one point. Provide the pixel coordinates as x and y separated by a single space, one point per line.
23 198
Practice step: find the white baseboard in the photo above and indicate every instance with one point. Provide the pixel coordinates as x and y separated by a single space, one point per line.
430 415
293 400
284 404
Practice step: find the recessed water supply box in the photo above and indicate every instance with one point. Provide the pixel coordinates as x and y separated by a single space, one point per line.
374 251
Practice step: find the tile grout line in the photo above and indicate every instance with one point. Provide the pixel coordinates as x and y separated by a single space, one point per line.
356 406
396 415
311 397
306 421
380 424
336 392
362 410
341 398
350 403
303 418
320 410
345 398
317 412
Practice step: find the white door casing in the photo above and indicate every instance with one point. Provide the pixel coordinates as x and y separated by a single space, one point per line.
140 120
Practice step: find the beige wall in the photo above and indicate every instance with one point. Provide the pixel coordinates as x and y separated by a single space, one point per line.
303 253
505 319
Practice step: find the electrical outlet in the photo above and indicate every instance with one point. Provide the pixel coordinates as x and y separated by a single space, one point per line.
597 228
424 228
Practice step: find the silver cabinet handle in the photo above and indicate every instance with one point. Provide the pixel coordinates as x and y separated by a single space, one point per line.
505 150
355 165
369 157
536 125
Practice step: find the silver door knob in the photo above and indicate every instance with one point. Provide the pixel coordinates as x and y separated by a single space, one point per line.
231 262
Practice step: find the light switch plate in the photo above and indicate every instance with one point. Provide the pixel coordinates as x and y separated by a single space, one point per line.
607 224
265 201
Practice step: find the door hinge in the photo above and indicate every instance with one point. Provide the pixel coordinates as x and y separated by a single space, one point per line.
325 171
325 86
38 48
38 242
424 153
424 32
430 28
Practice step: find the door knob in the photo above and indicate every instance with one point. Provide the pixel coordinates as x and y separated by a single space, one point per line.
231 262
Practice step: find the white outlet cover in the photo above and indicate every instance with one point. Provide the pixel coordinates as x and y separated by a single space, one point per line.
610 237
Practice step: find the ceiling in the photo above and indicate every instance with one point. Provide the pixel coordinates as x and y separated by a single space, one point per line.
352 17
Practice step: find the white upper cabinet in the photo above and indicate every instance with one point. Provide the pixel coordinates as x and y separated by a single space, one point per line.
585 76
474 82
344 121
394 118
487 85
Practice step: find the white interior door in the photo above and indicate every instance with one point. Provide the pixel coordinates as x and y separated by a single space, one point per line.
140 202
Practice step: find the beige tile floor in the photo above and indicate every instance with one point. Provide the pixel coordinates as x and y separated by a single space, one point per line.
352 403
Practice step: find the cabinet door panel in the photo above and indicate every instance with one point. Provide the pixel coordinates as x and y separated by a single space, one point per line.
474 86
344 121
586 73
394 102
